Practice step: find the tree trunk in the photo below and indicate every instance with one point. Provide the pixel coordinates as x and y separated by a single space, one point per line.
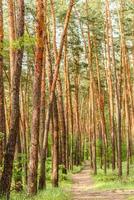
55 151
33 160
18 174
110 83
2 108
60 95
53 85
5 182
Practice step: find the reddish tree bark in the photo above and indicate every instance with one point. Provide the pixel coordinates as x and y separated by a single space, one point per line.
33 160
60 95
5 182
53 86
55 151
2 108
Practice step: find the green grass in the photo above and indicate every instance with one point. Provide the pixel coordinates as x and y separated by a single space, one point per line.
77 169
112 181
131 198
60 193
48 194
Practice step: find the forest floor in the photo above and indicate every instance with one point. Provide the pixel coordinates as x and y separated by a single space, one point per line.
83 188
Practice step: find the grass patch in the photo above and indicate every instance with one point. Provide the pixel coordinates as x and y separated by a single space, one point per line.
48 194
112 181
77 169
131 198
60 193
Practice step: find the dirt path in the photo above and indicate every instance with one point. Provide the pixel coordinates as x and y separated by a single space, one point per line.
83 188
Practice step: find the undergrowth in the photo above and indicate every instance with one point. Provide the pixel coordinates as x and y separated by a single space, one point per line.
112 181
48 194
60 193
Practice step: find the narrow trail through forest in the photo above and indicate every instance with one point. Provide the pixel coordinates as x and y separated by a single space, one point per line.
83 188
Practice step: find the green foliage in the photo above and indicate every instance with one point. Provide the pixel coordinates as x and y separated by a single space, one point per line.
1 136
48 194
109 150
131 198
27 41
112 181
62 177
77 169
98 145
20 161
48 168
124 151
